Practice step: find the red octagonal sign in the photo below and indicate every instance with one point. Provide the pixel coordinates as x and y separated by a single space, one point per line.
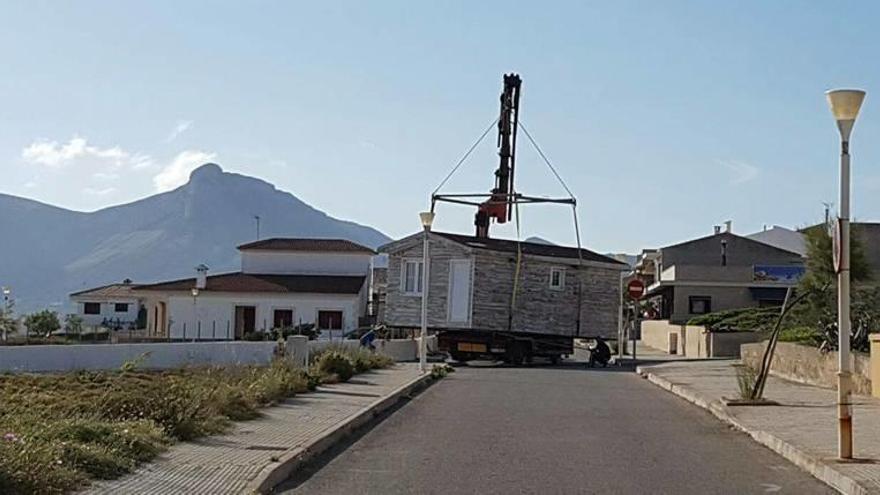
635 288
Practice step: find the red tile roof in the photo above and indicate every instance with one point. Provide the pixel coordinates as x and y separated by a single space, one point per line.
250 282
112 290
300 244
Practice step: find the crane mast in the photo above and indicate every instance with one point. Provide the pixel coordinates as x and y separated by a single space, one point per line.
499 206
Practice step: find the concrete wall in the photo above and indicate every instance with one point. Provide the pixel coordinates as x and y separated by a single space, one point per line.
693 340
806 364
655 333
60 358
280 262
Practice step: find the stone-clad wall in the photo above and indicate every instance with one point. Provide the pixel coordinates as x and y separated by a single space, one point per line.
538 307
406 311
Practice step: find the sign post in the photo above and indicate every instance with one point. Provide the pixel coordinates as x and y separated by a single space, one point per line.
636 289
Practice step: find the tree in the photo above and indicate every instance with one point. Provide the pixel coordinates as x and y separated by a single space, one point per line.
42 322
7 320
820 281
73 324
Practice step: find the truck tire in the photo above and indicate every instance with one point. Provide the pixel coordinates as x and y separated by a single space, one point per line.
518 352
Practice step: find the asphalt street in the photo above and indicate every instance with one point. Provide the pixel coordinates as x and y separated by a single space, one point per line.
550 430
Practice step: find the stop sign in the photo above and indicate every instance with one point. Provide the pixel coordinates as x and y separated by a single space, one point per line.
635 288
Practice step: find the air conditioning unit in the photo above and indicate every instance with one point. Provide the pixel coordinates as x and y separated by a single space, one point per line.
673 342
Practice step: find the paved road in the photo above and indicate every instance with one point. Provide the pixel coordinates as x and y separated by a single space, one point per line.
551 430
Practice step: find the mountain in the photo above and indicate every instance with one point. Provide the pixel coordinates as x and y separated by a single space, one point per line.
47 252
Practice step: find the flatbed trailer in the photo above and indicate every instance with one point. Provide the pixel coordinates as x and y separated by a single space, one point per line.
513 347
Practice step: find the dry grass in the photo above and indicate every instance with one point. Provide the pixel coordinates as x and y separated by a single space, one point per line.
59 431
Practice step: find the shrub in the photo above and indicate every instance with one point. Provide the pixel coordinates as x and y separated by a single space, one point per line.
42 322
335 363
746 376
800 335
439 371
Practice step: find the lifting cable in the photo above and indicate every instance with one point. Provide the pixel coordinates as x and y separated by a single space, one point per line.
466 155
577 230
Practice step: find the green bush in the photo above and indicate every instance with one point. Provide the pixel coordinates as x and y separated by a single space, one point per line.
335 363
42 322
744 319
800 335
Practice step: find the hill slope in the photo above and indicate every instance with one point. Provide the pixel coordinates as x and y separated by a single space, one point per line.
47 252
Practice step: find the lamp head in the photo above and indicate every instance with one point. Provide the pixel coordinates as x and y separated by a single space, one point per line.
7 291
845 105
427 218
195 292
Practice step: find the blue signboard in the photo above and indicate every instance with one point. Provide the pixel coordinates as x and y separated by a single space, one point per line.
778 273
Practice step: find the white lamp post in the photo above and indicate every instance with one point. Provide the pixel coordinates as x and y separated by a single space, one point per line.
427 218
845 104
6 292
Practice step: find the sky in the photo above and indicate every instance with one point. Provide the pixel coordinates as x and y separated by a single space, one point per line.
664 118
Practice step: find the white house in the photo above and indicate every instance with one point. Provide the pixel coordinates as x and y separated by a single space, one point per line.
282 283
113 304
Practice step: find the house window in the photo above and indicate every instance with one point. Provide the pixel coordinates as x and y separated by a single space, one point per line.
699 305
282 318
120 307
557 278
411 277
330 320
91 308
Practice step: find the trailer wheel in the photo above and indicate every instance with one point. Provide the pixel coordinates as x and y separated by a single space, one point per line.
518 352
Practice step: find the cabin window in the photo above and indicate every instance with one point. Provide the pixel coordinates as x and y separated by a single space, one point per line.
699 305
91 308
557 278
330 320
411 277
120 307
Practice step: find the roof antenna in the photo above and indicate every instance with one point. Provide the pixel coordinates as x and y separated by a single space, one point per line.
257 218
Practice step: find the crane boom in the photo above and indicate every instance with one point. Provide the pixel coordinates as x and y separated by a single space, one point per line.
499 206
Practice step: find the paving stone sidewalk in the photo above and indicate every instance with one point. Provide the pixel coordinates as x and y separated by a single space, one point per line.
803 428
225 464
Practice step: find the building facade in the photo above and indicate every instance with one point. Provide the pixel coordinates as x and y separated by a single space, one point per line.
283 283
715 273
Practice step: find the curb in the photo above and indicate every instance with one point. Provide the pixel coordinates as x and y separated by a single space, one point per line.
818 468
276 473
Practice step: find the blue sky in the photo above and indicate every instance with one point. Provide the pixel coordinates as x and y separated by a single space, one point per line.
665 118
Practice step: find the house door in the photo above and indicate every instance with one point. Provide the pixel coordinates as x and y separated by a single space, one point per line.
459 301
245 320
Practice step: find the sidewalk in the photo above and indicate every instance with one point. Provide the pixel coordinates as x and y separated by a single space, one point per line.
236 462
803 428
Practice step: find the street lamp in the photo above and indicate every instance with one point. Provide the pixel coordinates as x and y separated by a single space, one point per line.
195 294
427 218
845 104
6 313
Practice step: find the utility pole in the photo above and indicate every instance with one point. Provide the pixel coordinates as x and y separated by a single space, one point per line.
257 218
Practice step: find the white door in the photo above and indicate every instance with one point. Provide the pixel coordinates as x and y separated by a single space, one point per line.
459 305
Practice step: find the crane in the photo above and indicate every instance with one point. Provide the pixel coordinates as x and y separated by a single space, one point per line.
499 206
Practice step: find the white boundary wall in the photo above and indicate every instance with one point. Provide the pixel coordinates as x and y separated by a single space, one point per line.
60 358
